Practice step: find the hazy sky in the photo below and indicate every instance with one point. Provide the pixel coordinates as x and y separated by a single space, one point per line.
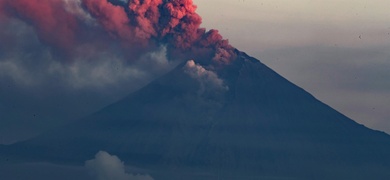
338 50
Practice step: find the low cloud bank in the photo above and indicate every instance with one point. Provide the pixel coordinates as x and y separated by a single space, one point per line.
110 167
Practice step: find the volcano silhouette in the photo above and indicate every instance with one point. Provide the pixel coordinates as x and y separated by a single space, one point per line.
254 124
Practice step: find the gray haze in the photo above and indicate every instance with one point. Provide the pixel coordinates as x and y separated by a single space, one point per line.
336 50
41 89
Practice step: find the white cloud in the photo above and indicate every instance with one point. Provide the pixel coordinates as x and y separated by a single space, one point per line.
74 7
18 74
208 80
110 167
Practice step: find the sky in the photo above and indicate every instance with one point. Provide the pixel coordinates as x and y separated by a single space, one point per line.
338 50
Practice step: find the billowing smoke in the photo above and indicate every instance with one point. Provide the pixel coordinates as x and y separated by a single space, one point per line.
63 52
173 22
110 167
137 26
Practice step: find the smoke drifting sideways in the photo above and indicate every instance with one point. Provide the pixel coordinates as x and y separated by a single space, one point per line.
63 59
72 26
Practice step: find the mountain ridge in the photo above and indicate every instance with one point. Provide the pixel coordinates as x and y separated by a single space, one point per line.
262 124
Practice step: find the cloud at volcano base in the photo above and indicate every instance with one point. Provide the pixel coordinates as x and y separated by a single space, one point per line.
109 167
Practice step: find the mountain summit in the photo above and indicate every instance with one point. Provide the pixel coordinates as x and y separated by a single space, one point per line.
240 121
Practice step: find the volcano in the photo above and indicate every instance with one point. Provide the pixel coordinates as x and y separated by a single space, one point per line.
240 121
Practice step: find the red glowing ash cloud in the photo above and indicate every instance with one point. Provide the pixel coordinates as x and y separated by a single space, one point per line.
145 23
53 24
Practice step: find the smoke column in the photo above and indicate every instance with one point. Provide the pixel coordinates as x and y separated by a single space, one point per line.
138 26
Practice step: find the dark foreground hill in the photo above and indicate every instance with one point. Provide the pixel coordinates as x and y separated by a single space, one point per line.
247 123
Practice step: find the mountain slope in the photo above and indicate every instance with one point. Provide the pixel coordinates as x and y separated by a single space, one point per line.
244 121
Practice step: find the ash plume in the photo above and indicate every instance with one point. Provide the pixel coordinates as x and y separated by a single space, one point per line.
64 49
136 27
52 23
